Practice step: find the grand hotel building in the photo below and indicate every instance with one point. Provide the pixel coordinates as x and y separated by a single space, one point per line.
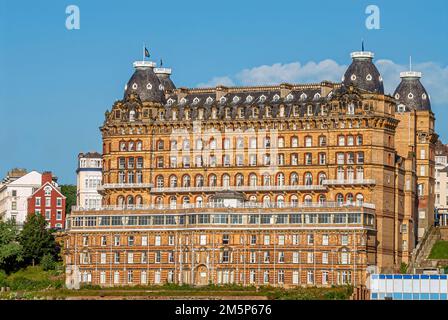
285 185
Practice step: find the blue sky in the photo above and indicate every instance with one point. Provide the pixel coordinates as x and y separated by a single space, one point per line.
56 84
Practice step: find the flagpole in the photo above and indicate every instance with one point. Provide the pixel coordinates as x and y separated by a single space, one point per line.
144 52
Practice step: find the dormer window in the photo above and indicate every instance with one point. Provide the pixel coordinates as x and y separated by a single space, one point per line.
209 100
183 101
170 101
149 86
161 87
410 95
195 100
236 99
424 96
249 98
401 108
317 96
222 100
353 77
263 98
289 97
369 77
397 96
303 96
351 108
276 98
310 110
134 86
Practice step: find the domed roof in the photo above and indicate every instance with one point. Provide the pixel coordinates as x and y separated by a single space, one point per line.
411 93
363 73
164 76
145 83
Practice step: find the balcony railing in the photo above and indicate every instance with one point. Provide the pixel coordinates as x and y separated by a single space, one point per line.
124 185
349 182
244 205
241 188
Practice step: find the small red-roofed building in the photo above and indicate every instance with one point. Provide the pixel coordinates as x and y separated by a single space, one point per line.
48 201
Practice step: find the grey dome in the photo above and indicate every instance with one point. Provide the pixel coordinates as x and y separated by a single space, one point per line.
363 74
411 93
145 83
164 76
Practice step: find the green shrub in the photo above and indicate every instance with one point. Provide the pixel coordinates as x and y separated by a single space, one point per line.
48 262
3 279
403 268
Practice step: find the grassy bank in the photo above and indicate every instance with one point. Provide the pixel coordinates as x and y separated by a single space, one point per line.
439 250
35 283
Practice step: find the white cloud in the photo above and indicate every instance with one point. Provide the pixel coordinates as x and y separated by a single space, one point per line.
435 76
293 72
225 81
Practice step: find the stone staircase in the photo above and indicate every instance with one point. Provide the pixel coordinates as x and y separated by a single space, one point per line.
420 254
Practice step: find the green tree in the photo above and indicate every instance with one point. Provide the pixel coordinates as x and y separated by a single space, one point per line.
69 191
37 240
11 251
47 262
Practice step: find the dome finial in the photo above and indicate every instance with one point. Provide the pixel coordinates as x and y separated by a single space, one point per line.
410 63
362 45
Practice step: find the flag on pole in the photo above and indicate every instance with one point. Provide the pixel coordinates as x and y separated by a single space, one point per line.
146 53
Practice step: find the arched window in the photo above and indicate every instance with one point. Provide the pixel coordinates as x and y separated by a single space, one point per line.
350 140
253 180
159 202
226 180
186 202
131 177
122 146
308 179
294 179
308 200
138 200
350 174
160 182
212 180
199 180
280 179
173 202
186 181
173 145
160 145
120 201
253 199
212 144
199 202
359 140
322 199
131 146
280 201
294 142
266 179
349 198
308 141
239 180
359 199
253 143
173 181
294 200
186 144
130 200
339 199
281 142
266 201
139 145
322 178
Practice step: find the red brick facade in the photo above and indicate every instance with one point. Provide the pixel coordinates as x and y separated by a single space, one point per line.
48 201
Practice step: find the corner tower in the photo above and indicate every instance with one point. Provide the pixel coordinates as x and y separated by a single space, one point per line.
363 74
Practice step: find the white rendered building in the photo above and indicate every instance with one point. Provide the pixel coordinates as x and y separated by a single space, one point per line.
15 189
89 177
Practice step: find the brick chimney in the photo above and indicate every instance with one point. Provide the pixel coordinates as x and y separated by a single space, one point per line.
47 176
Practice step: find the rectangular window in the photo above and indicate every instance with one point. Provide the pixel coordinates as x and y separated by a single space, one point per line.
266 257
225 239
325 257
144 240
344 239
281 240
103 241
157 240
158 257
310 257
203 240
58 214
171 240
310 238
267 240
37 202
59 202
130 257
253 239
295 239
47 214
325 239
117 257
116 240
131 240
340 158
295 257
47 201
295 277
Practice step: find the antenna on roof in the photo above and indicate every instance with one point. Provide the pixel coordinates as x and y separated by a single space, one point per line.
362 45
161 62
